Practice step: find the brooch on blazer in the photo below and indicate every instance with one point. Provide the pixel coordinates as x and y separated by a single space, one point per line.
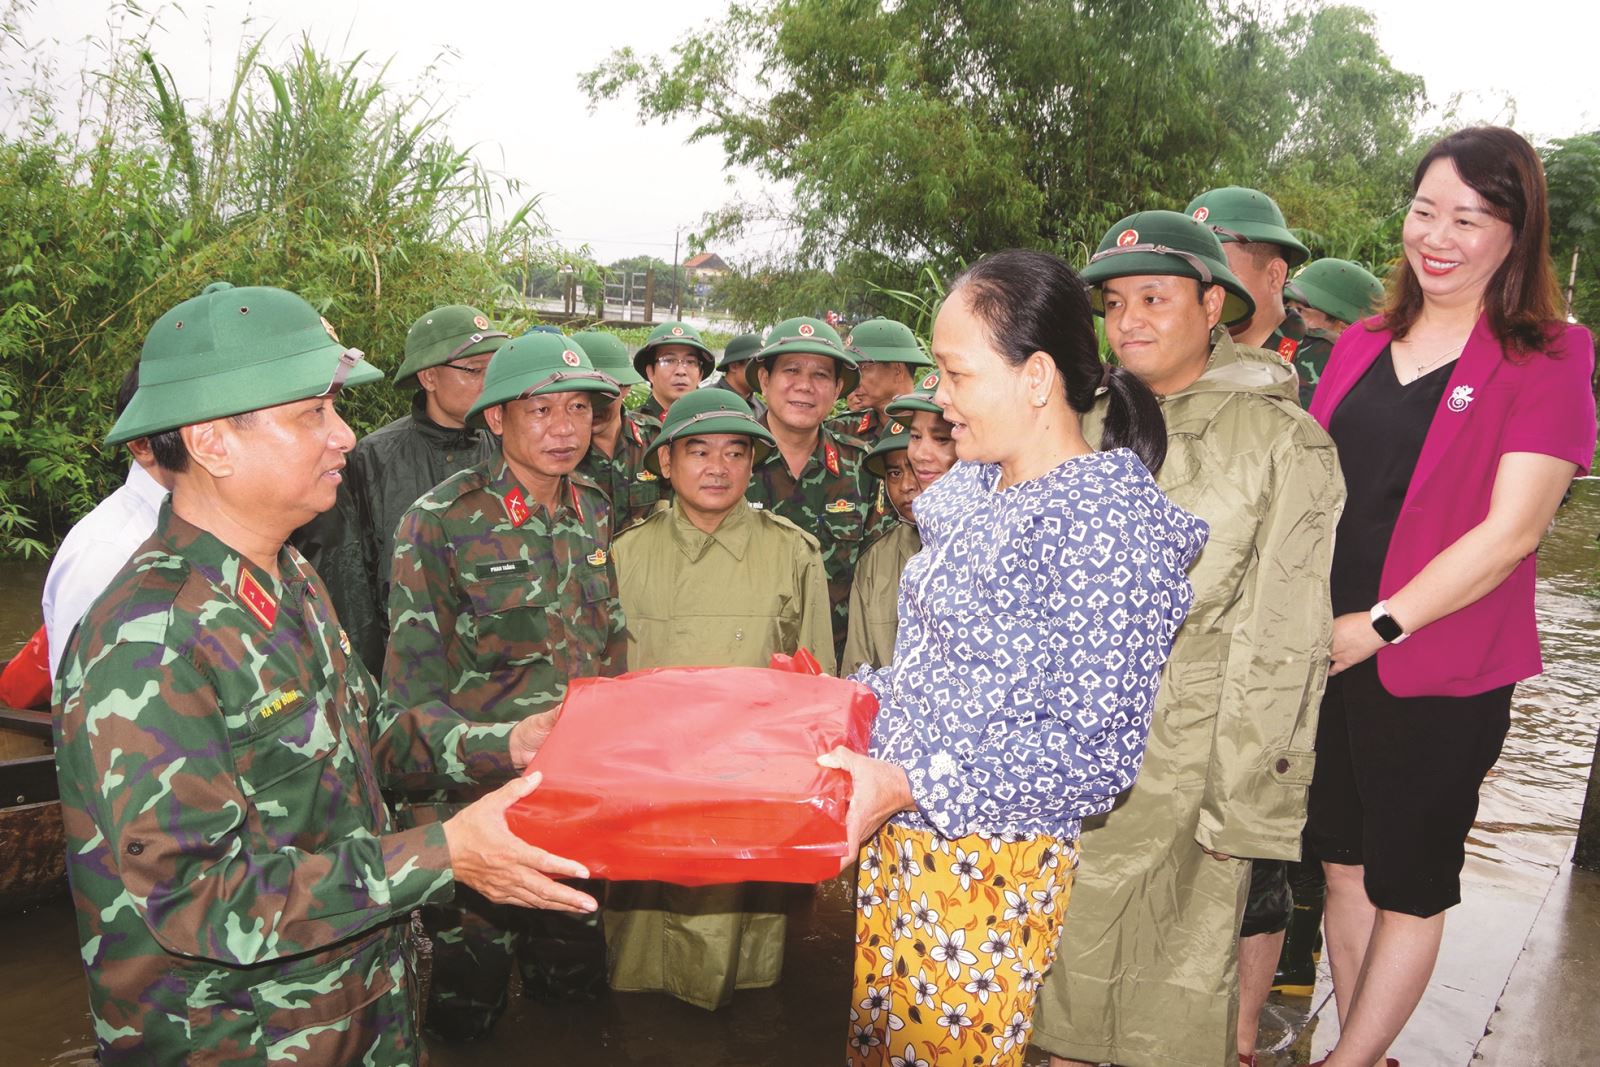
1460 397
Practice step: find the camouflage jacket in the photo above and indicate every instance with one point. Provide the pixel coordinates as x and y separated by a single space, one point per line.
831 501
352 544
241 892
862 425
758 407
632 490
495 603
1305 349
651 412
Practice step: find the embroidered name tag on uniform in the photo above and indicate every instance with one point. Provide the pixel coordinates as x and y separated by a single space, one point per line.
501 568
277 706
840 507
260 603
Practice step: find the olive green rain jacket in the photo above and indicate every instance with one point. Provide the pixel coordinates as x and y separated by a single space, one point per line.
732 598
1146 972
875 598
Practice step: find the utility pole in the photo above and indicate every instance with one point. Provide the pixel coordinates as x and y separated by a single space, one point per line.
675 312
1572 280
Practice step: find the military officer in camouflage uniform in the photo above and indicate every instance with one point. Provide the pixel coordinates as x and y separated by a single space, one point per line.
711 581
242 895
615 460
502 591
674 359
814 478
1261 253
913 452
1329 295
890 361
732 363
351 545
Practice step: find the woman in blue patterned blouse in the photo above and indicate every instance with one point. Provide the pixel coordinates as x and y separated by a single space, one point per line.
1034 625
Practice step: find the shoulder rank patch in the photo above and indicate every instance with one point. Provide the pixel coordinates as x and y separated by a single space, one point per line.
830 457
1287 347
597 558
840 507
645 476
260 603
516 507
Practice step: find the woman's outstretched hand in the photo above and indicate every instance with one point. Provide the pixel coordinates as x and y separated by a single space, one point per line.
879 790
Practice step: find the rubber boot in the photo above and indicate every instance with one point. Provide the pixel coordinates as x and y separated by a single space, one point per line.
1297 965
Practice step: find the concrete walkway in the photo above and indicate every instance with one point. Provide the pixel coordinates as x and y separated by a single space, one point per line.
1513 987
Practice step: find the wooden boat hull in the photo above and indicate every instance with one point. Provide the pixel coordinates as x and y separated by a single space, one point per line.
33 844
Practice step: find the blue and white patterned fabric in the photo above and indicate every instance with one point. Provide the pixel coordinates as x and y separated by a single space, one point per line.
1034 625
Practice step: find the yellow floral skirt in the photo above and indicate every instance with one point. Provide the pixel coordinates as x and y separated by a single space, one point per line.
953 938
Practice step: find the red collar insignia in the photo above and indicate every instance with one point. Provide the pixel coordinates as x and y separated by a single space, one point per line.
260 603
638 435
1287 347
830 457
516 507
864 425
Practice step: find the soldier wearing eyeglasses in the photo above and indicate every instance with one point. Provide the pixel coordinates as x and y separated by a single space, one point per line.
447 351
674 359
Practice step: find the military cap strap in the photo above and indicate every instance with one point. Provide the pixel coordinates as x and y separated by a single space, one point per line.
720 413
348 359
1161 250
564 376
813 339
477 338
1223 231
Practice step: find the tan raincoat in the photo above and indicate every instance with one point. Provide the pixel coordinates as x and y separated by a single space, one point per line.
875 598
733 598
1146 974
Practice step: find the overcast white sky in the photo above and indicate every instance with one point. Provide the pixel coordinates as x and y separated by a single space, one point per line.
622 188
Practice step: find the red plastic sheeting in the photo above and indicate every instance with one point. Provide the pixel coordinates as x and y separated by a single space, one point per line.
699 775
25 681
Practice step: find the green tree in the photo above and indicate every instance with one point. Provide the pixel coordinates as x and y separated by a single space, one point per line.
1572 168
313 174
924 133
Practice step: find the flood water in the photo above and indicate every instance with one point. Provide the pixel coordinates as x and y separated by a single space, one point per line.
1528 818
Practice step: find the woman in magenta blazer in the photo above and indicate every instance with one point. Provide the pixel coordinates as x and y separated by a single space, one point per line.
1461 414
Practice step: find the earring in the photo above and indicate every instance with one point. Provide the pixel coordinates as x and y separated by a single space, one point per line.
1040 401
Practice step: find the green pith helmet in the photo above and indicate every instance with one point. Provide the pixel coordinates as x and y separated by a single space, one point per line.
1239 214
444 334
609 356
919 399
709 411
739 349
228 351
675 333
1347 291
886 341
1165 242
896 437
807 336
535 364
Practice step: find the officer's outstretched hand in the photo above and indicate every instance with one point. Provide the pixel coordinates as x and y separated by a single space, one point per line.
879 789
490 858
529 734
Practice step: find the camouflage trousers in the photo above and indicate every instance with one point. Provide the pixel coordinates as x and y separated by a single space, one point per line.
476 945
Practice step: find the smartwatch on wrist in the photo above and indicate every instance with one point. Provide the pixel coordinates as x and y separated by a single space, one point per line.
1385 626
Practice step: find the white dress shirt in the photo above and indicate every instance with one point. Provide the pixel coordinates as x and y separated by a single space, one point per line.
94 551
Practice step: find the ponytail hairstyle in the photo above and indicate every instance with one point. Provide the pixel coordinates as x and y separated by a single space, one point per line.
1033 302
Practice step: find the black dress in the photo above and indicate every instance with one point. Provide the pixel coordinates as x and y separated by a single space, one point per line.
1397 778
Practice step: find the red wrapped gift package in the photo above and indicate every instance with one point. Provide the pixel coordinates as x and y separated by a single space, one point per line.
699 775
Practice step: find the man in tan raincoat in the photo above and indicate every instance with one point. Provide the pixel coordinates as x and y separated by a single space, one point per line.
710 581
1146 972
